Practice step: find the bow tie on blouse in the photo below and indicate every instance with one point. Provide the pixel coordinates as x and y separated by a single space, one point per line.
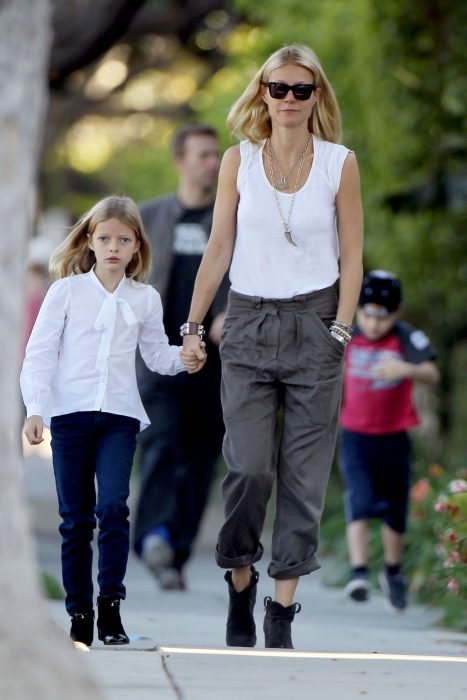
105 321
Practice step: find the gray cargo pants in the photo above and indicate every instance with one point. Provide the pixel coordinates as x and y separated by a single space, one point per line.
278 353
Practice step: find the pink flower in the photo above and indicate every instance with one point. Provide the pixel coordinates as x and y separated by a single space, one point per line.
453 557
439 506
452 585
458 486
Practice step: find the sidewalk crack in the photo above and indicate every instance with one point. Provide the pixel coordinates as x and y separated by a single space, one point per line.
179 694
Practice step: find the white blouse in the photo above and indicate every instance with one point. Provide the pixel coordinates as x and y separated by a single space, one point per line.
81 353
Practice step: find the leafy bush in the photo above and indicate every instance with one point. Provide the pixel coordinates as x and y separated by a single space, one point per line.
436 549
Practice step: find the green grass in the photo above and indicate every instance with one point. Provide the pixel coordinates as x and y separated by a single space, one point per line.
51 587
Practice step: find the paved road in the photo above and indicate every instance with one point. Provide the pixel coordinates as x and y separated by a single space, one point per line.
344 651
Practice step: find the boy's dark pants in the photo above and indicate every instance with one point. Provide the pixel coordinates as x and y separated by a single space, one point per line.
278 353
376 474
89 447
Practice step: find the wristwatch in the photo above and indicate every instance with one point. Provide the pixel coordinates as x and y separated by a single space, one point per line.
190 328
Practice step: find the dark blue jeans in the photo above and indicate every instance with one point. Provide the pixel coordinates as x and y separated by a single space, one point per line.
92 447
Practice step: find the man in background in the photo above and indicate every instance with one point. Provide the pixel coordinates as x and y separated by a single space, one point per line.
180 448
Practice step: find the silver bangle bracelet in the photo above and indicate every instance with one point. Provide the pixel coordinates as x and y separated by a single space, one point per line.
339 337
341 332
344 326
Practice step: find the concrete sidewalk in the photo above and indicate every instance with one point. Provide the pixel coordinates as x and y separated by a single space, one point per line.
343 650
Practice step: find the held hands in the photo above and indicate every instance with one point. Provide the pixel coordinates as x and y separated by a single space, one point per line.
33 429
193 354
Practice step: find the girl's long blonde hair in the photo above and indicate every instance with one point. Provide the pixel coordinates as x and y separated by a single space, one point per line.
74 256
249 116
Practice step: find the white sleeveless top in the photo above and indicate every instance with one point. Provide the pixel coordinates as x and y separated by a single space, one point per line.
264 263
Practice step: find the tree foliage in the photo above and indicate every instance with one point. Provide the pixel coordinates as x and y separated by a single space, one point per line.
77 41
110 119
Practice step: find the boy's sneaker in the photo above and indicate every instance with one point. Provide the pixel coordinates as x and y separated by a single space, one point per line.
395 590
358 588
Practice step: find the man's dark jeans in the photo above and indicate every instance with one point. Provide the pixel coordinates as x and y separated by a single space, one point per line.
178 454
92 447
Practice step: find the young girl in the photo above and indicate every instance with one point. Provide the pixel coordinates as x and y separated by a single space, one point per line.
79 377
288 218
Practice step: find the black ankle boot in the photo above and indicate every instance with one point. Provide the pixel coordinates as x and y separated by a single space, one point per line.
278 624
109 625
241 628
82 627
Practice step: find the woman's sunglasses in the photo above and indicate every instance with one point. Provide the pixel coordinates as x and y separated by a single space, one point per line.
279 90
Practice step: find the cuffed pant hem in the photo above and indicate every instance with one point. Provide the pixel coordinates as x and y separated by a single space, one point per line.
236 562
283 572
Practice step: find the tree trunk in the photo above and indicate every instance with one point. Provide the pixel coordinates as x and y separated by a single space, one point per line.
36 660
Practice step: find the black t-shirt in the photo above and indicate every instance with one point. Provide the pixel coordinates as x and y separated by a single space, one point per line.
190 239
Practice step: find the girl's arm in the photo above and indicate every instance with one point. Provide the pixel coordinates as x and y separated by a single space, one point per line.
218 253
42 349
350 232
153 343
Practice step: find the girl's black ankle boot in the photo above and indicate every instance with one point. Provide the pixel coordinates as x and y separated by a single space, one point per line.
109 625
241 628
82 627
278 624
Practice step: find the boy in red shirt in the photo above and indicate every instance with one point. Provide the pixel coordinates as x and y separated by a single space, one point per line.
382 361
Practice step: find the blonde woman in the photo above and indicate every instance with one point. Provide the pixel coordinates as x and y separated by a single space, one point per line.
79 377
288 222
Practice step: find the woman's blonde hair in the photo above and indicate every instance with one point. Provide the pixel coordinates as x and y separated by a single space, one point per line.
249 116
74 256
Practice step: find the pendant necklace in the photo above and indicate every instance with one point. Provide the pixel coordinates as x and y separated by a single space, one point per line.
301 161
282 182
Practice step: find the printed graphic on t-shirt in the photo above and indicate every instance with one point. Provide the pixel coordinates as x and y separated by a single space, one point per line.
362 363
189 239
